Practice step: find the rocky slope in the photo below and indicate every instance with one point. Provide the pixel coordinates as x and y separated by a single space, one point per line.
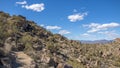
24 44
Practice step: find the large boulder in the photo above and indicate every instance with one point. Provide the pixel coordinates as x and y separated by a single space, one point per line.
22 60
8 45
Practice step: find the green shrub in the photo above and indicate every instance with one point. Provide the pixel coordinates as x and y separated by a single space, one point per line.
75 64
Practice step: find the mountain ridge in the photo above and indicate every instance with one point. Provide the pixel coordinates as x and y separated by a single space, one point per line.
103 41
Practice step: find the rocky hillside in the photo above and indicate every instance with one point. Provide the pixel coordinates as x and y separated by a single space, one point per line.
25 44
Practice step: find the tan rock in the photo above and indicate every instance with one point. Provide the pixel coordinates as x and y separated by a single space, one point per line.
60 65
24 59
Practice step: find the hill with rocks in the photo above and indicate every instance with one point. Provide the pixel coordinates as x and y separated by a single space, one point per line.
25 44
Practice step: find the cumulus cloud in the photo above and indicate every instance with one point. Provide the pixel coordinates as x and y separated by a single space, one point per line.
77 17
53 27
62 32
94 27
22 3
35 7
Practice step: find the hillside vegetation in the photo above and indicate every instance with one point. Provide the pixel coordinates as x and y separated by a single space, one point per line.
21 38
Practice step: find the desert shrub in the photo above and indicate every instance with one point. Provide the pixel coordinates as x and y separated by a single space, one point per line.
14 17
26 38
4 32
75 64
2 14
53 47
27 41
28 47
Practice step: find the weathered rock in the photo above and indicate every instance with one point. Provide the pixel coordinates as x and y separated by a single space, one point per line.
23 60
45 59
68 66
53 63
8 45
5 62
60 65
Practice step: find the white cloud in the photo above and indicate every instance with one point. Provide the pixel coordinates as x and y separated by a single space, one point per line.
22 3
35 7
85 34
77 17
94 30
42 25
53 27
62 32
94 27
109 25
88 36
110 34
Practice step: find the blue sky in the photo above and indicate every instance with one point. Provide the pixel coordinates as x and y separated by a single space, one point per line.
75 19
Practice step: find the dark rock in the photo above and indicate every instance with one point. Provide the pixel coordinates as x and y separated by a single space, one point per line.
68 66
5 62
53 63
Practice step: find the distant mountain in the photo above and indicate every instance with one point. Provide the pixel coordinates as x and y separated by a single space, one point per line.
95 41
